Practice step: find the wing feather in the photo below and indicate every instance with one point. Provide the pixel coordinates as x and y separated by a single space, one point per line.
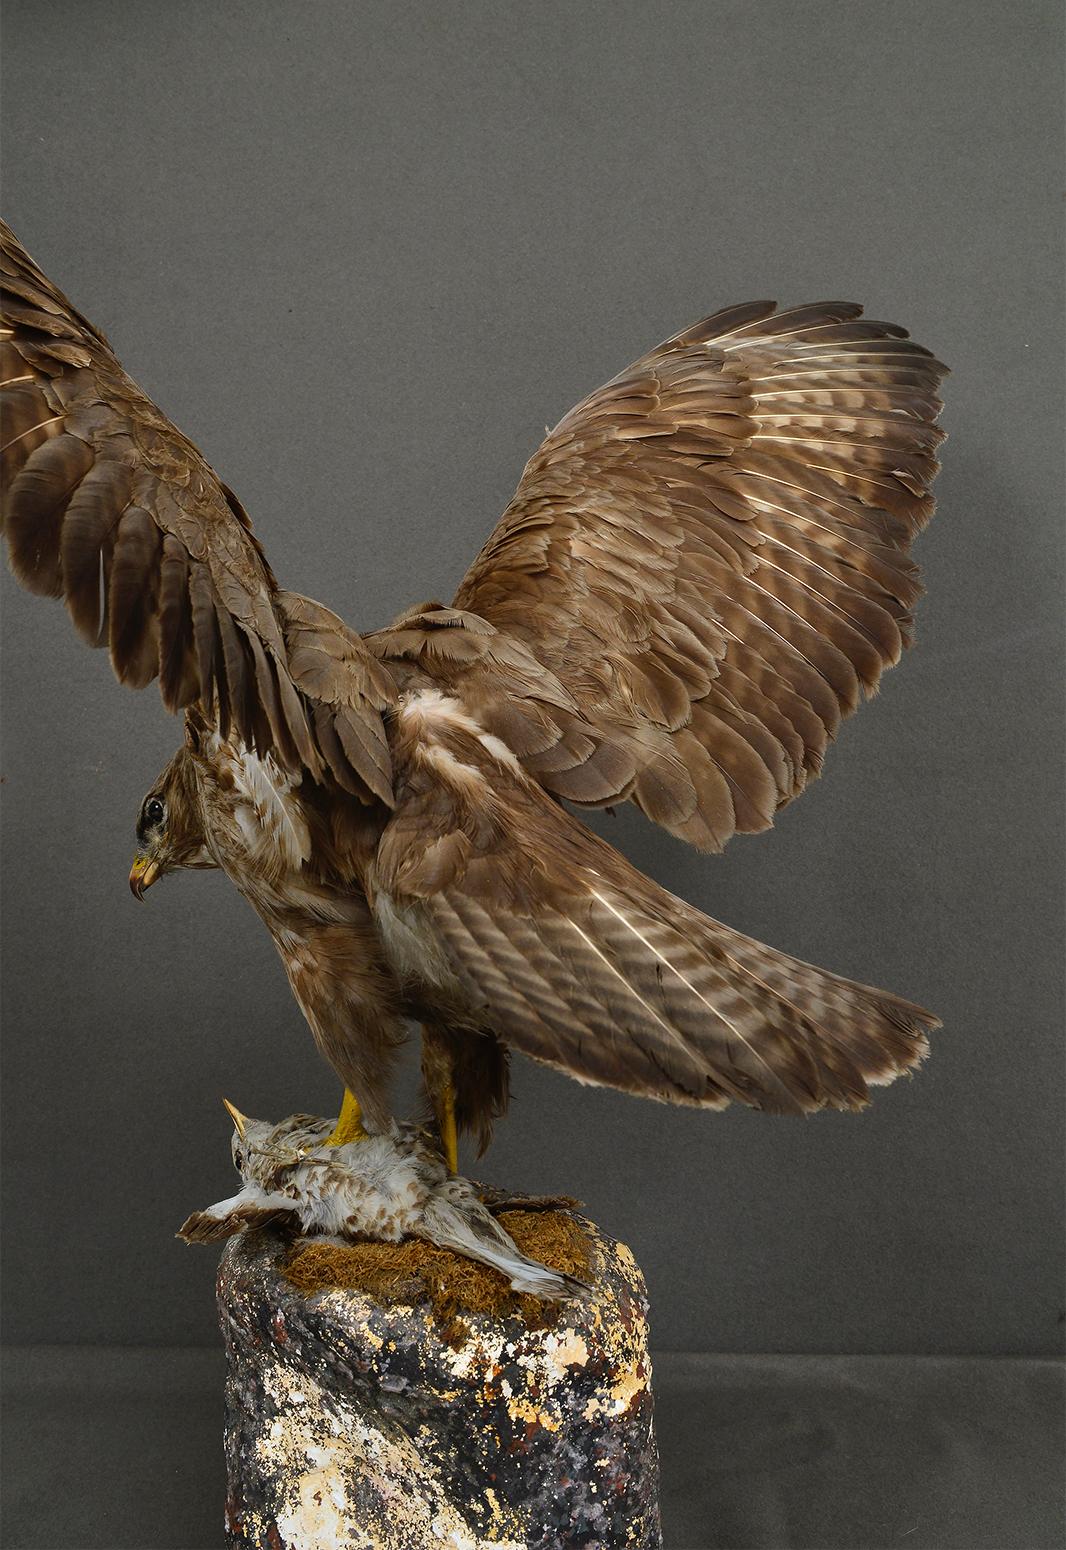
710 555
178 684
542 933
107 505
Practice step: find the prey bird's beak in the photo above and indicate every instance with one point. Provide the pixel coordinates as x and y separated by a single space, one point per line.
143 874
239 1119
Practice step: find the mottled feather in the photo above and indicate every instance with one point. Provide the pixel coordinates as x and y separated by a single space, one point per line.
705 567
746 493
109 506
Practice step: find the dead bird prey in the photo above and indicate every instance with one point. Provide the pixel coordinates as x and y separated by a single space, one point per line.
386 1187
704 568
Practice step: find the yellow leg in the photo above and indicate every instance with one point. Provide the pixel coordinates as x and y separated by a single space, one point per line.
449 1135
349 1126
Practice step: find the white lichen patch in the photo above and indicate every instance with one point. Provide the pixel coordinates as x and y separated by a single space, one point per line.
375 1432
321 1516
342 1484
618 1398
563 1351
482 1352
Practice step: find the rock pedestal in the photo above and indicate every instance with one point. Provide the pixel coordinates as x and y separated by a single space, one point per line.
396 1397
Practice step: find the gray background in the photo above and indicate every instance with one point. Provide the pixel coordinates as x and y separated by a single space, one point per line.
362 254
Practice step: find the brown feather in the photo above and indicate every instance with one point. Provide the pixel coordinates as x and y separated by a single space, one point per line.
108 505
132 618
752 487
178 679
34 508
236 668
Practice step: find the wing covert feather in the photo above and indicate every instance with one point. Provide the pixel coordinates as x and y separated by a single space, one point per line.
711 555
529 925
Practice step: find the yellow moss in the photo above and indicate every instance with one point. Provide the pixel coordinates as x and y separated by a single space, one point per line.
415 1272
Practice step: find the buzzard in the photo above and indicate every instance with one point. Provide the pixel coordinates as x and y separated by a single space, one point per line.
704 568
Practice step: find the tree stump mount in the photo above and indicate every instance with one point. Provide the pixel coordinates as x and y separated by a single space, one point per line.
396 1397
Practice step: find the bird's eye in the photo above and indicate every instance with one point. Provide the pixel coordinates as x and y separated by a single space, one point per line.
153 811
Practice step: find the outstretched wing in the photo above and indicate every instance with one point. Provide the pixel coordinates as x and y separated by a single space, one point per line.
514 917
711 556
107 505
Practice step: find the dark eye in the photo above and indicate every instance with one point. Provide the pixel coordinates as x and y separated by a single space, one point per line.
153 811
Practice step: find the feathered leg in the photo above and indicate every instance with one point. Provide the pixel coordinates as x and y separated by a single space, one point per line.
348 996
465 1077
438 1075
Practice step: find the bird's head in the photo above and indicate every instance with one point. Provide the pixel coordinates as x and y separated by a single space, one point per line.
169 826
248 1142
263 1153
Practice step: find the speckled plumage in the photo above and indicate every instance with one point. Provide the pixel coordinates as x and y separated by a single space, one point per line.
386 1187
704 568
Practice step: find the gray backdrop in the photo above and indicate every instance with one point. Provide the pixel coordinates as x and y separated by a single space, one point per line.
362 254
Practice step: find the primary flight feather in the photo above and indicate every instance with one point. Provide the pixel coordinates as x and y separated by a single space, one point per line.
705 566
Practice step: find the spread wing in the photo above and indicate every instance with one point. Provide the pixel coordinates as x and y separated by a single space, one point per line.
711 556
107 505
520 920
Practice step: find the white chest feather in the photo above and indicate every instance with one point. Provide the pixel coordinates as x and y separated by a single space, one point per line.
413 948
268 814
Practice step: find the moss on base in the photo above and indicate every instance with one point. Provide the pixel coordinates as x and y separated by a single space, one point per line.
413 1272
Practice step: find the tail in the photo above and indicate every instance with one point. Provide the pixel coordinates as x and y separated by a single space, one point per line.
746 1022
617 982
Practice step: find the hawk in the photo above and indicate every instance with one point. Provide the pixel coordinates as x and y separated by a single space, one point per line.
705 567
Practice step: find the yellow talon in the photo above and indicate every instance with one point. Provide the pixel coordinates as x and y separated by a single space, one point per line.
349 1126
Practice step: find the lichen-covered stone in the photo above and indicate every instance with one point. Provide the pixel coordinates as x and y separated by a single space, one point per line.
353 1422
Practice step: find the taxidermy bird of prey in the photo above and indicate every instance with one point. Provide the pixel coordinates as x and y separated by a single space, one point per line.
704 568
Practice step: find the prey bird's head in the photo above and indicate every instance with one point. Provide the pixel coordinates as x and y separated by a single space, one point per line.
249 1144
263 1153
169 826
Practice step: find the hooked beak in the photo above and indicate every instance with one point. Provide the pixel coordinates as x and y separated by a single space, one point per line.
239 1119
143 874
